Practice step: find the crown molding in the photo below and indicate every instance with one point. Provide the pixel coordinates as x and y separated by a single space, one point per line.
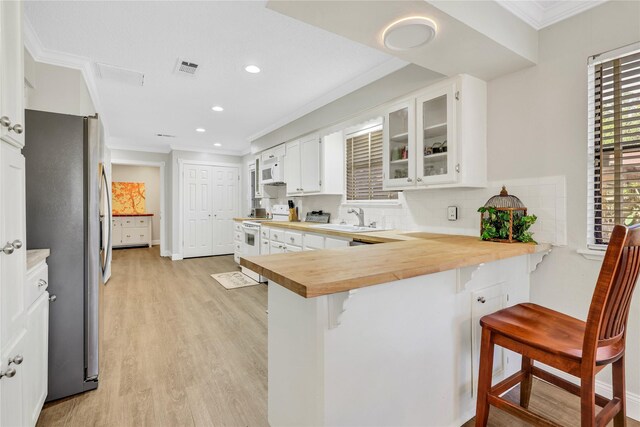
386 68
539 17
48 56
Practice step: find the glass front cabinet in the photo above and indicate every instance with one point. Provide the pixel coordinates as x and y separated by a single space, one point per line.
438 137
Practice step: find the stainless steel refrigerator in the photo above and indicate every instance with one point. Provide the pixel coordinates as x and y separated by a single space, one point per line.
68 212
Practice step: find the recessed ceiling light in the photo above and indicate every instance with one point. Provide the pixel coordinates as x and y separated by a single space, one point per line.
217 144
409 33
201 130
217 108
252 69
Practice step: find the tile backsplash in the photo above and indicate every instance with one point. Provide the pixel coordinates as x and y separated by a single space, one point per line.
426 210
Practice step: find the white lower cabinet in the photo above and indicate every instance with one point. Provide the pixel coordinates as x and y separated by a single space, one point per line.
277 247
238 236
12 386
265 247
35 364
333 242
132 231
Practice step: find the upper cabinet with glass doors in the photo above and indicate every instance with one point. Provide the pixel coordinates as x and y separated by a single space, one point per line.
446 137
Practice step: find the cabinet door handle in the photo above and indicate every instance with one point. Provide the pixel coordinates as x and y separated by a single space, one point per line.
17 359
8 248
9 373
42 282
419 179
17 244
481 300
409 180
53 298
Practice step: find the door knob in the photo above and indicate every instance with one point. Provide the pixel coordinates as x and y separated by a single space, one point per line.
42 282
9 373
5 121
53 298
17 244
8 248
17 359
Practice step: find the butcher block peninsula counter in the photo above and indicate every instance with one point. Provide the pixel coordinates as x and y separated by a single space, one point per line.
386 334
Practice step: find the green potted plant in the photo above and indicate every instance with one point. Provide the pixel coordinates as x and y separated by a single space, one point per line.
504 219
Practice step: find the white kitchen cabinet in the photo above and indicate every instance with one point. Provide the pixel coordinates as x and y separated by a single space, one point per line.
399 145
333 242
238 236
12 385
315 165
11 73
276 152
437 138
258 192
277 247
35 364
13 244
292 169
132 231
313 242
292 248
483 302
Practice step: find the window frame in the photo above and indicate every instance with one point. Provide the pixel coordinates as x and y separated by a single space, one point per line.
377 126
593 190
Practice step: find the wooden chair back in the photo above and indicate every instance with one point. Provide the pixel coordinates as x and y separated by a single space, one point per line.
609 310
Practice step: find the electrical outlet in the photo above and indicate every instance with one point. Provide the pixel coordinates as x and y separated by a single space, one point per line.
452 213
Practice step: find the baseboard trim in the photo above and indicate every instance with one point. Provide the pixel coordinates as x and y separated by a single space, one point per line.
166 253
604 389
155 242
176 257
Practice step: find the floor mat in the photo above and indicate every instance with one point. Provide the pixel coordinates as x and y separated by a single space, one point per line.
234 280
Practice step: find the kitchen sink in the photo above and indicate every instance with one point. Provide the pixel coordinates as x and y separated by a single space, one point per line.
348 228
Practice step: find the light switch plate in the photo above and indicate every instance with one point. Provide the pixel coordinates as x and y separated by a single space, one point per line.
452 213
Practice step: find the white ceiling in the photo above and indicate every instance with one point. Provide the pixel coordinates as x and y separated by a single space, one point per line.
303 67
542 13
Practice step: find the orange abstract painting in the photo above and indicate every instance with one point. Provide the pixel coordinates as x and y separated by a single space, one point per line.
128 198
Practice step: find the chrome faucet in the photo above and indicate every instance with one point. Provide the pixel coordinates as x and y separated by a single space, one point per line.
360 214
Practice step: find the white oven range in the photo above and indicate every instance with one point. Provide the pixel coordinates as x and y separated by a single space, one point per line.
251 246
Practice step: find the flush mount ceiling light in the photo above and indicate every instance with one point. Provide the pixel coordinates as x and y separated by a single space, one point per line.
252 69
409 33
217 108
217 144
201 130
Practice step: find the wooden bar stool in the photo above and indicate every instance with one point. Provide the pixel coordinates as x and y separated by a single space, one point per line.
579 348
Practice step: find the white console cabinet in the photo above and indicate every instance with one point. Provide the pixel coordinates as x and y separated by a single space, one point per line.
132 230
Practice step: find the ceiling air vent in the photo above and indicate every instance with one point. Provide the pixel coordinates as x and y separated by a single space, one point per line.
165 135
186 68
119 75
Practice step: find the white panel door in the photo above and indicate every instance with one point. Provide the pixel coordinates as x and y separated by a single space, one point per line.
198 220
11 388
226 200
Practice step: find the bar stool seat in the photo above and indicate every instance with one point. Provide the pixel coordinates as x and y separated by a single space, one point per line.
547 330
581 349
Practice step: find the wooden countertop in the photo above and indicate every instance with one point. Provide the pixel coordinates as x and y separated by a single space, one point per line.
36 256
315 273
144 214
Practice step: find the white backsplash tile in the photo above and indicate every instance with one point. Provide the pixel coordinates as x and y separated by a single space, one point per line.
426 210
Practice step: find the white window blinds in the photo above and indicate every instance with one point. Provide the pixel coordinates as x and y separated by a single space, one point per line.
364 166
614 143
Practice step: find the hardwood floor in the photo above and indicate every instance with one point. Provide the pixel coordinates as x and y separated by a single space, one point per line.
180 350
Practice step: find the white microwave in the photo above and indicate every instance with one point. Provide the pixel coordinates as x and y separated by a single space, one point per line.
272 171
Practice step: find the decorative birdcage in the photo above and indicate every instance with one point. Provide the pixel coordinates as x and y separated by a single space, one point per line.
501 216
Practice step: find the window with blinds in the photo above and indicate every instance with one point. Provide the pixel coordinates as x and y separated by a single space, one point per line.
614 143
364 166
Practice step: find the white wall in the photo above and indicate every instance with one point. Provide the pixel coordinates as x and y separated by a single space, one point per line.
151 177
56 89
537 126
141 156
